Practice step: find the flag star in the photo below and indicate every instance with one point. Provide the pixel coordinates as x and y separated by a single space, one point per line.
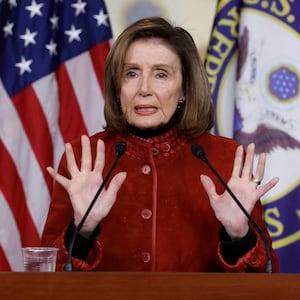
28 37
8 29
52 48
73 33
54 21
35 9
79 7
101 18
24 65
12 3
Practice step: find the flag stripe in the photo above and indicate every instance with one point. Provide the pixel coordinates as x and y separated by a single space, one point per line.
28 106
47 92
70 120
10 238
16 198
14 138
89 100
4 265
99 61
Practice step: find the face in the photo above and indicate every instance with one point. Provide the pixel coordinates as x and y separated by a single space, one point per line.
151 83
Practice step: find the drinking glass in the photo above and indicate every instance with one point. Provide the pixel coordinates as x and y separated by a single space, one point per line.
39 259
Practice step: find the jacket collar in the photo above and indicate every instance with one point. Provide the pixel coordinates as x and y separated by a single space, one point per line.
159 147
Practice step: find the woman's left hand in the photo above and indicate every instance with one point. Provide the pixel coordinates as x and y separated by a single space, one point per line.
245 186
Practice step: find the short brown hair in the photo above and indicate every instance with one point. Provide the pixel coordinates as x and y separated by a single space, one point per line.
198 114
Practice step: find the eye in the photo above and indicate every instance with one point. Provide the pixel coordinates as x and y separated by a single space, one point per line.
161 75
130 74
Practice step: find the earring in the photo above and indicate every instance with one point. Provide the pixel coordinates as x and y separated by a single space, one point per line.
181 103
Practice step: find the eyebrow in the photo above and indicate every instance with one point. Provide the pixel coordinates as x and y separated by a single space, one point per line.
157 66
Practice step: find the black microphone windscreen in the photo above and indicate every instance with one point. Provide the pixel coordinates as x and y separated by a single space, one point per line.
120 148
198 151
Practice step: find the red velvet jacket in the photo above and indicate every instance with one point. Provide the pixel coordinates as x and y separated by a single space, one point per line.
162 219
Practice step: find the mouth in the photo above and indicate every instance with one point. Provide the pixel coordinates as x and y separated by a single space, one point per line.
145 109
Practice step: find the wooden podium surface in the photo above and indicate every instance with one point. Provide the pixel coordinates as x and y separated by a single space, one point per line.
141 286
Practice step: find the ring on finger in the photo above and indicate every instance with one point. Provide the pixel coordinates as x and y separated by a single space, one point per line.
256 181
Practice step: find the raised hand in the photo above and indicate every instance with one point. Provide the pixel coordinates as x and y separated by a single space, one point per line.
84 183
245 186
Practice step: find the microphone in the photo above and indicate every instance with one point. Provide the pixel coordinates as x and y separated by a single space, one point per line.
198 151
120 150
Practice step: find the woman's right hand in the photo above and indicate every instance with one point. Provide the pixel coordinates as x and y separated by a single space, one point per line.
84 183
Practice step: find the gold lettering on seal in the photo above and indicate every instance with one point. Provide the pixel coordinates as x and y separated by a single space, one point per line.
271 217
222 45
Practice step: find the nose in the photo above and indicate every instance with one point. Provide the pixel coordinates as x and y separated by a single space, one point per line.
144 89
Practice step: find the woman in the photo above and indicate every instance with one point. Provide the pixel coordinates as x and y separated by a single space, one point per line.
155 215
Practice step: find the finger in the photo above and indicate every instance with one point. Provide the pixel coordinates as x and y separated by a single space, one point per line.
238 162
52 172
100 157
70 157
260 168
86 157
59 178
247 171
209 186
116 183
266 187
112 191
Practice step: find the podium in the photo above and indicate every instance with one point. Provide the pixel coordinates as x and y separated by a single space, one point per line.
142 286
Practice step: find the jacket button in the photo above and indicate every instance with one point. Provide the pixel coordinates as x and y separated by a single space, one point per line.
146 257
154 151
146 214
254 260
165 147
146 169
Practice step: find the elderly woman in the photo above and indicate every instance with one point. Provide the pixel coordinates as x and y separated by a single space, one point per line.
163 209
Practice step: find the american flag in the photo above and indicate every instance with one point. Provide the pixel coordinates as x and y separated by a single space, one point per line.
52 56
